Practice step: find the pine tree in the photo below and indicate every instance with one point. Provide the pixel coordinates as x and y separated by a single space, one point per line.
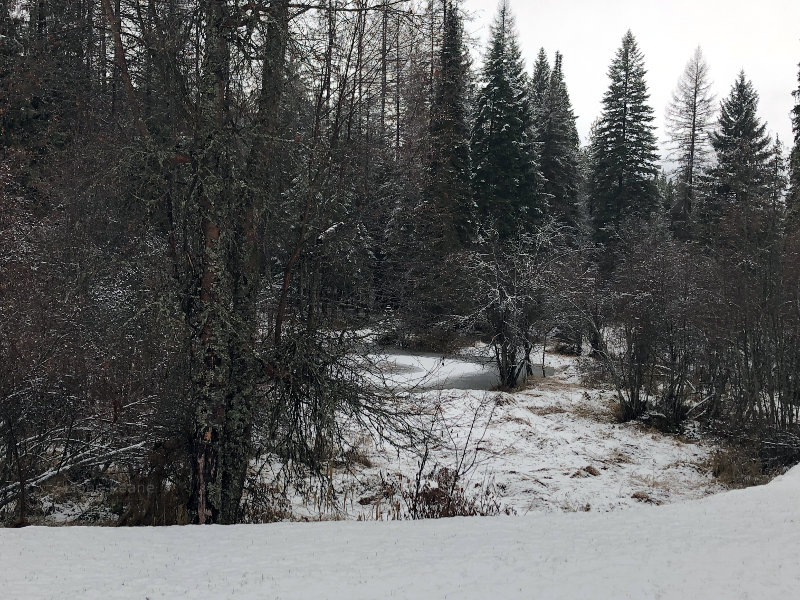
741 178
793 197
450 165
559 146
505 174
624 150
689 121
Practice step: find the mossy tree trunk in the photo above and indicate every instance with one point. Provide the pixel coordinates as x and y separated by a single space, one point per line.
232 208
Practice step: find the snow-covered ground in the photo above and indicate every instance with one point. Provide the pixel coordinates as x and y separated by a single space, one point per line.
554 446
739 544
550 454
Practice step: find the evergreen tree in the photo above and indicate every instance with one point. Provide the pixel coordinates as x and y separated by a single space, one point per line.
624 150
540 84
505 174
741 178
442 217
666 192
559 147
776 175
689 116
793 198
450 166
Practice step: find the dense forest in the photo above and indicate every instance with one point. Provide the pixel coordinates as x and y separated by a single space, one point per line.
214 211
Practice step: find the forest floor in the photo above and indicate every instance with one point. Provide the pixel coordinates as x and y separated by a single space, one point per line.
553 445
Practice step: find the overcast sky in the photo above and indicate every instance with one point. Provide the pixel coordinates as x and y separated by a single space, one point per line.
763 38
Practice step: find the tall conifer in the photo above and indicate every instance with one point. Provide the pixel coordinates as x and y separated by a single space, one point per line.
559 148
450 165
540 84
689 122
505 173
624 150
793 198
741 178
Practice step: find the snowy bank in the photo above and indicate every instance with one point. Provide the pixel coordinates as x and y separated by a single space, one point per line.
553 445
738 544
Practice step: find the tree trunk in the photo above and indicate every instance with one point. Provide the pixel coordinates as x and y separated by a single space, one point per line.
247 267
212 356
226 385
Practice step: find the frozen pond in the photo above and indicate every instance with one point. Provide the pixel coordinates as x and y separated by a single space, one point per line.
427 371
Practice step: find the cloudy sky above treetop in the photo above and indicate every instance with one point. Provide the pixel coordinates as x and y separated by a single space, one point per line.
762 38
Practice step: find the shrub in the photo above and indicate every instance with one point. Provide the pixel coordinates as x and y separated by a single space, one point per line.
444 495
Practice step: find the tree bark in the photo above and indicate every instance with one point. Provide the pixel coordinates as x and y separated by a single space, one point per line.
248 264
212 353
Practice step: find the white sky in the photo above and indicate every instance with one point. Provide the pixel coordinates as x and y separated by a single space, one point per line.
761 37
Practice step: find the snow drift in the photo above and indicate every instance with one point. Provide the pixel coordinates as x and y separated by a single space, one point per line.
739 544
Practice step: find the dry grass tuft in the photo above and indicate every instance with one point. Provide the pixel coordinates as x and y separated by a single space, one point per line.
645 497
543 411
619 457
357 455
595 412
587 471
736 467
518 420
504 399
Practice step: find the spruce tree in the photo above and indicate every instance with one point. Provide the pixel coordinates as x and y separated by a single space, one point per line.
540 84
558 145
505 174
624 150
741 178
689 121
776 176
442 217
450 166
793 197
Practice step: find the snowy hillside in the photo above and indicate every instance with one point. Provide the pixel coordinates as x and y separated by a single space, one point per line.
739 544
552 446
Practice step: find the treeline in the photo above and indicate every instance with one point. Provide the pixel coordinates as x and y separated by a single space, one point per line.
205 204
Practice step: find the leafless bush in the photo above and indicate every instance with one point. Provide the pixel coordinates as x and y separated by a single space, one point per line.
445 494
653 338
518 294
